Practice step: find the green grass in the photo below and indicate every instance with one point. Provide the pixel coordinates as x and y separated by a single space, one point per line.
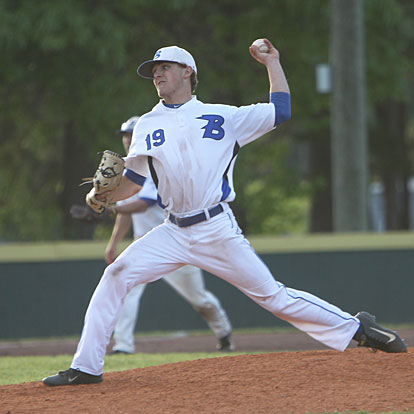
16 370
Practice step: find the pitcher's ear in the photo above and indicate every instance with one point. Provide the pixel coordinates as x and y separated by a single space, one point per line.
188 71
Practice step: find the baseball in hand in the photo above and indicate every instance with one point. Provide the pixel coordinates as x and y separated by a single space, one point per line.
261 45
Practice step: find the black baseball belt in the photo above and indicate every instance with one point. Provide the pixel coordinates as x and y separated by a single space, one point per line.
197 218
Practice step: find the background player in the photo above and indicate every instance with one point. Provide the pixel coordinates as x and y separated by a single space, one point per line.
144 213
189 148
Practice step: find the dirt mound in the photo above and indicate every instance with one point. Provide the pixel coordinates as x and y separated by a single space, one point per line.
286 382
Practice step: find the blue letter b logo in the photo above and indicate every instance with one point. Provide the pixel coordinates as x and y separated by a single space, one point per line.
213 128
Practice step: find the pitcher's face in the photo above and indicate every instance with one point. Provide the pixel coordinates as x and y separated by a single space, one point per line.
170 79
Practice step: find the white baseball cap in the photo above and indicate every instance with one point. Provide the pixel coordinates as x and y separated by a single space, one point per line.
173 54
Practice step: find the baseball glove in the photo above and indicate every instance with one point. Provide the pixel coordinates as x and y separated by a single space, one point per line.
107 178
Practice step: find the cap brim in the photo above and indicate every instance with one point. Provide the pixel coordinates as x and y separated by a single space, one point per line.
145 69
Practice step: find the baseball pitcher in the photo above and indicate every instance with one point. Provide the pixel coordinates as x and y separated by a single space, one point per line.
189 149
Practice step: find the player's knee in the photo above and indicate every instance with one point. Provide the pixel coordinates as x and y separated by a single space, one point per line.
206 310
114 269
204 300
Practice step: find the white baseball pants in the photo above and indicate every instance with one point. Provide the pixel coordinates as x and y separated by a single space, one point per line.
188 282
218 247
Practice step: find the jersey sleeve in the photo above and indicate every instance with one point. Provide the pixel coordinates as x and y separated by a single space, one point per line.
137 160
149 192
252 121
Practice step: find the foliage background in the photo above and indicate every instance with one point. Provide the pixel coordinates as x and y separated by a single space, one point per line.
68 80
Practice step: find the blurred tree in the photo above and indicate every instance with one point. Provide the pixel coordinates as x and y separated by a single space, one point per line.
58 107
68 79
390 56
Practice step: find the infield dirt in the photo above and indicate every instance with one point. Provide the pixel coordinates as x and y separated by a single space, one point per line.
309 381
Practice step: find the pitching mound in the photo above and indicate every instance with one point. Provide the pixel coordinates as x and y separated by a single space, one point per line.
286 382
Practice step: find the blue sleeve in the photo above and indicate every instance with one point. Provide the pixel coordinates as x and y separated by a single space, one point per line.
134 177
281 101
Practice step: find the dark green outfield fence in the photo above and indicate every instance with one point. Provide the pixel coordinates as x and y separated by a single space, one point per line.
45 288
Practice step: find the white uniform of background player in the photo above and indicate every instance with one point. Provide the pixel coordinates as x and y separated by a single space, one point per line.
189 148
187 281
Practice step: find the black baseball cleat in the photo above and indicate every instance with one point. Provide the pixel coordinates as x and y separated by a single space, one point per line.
72 377
376 337
225 344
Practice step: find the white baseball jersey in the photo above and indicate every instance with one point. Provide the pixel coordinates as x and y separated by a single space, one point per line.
143 222
172 139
